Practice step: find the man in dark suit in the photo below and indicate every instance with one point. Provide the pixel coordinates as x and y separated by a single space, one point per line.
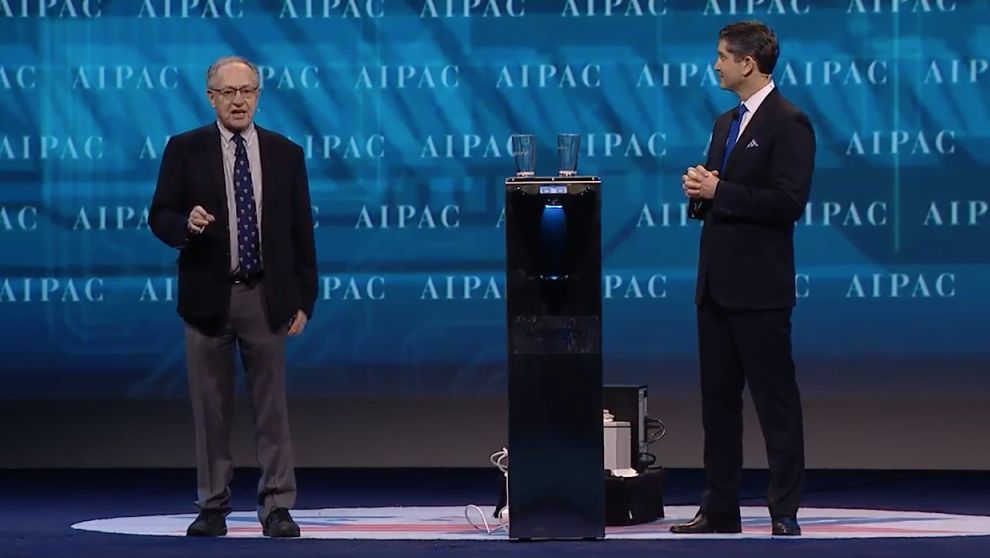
750 191
234 199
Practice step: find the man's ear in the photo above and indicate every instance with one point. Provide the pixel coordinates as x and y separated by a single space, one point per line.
750 66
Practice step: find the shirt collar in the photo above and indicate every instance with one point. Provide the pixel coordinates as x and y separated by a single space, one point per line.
248 134
757 98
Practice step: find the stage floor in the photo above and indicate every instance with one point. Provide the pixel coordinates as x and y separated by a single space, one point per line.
90 513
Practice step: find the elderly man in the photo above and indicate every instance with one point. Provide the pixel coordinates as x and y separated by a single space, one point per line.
233 198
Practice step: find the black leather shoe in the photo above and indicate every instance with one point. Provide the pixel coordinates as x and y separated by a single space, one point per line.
704 523
209 523
279 524
786 527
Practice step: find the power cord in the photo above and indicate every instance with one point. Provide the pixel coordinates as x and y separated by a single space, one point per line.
498 459
660 430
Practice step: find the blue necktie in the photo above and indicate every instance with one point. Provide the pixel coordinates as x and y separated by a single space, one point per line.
730 141
248 241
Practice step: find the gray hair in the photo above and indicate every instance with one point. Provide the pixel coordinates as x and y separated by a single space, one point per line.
223 61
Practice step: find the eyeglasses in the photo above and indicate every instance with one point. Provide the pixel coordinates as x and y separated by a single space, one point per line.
229 93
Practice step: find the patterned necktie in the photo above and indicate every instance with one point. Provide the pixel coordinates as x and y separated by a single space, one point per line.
730 141
248 242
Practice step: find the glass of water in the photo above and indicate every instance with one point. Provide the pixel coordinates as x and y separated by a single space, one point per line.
524 153
568 147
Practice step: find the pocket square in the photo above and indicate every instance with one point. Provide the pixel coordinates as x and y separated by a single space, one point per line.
752 144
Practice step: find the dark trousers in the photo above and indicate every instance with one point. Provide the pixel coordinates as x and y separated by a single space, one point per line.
210 361
737 347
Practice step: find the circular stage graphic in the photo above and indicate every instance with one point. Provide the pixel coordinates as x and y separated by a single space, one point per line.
449 522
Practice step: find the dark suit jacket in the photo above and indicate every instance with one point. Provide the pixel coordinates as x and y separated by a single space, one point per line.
192 174
747 242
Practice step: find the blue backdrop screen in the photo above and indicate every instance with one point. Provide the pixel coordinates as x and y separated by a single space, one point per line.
404 109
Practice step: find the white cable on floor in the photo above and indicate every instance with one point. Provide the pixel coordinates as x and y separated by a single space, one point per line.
498 460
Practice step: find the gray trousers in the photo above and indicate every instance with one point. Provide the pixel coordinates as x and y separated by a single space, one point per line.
210 362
